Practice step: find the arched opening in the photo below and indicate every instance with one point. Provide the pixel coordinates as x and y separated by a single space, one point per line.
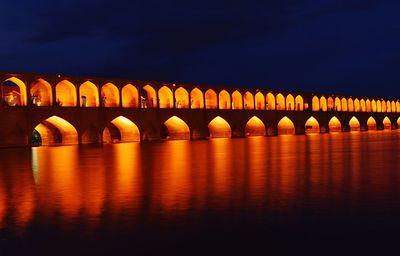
270 104
322 104
351 105
255 127
286 127
373 106
280 102
196 99
371 123
181 98
109 96
383 106
368 107
363 107
299 103
165 97
344 105
211 99
54 131
224 100
14 92
89 95
260 101
378 106
248 100
393 106
398 123
315 103
398 107
41 94
356 105
388 107
66 94
290 102
338 104
237 101
387 124
121 129
335 125
175 129
148 97
219 128
312 126
331 104
354 124
130 96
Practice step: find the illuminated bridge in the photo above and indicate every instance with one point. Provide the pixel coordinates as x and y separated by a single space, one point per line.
57 109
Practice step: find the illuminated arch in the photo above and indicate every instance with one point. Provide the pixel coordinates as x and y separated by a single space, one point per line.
130 96
357 105
373 106
371 123
89 95
315 103
398 107
351 105
299 103
388 107
121 129
383 106
335 125
368 106
211 99
393 103
322 104
286 127
224 100
398 122
387 124
175 129
354 124
181 98
237 100
312 126
378 106
344 105
260 101
219 128
14 92
41 93
270 101
280 102
55 131
338 104
165 97
148 97
331 104
290 105
110 95
363 107
255 127
66 94
248 100
196 99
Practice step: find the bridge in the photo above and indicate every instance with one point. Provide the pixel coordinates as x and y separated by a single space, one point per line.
62 110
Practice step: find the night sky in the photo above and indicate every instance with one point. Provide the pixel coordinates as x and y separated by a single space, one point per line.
346 47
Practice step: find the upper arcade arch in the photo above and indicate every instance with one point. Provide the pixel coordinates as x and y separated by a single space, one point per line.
181 98
350 103
237 100
357 105
211 99
290 105
165 97
196 99
315 104
344 105
89 94
270 101
219 128
280 102
338 104
373 106
109 96
363 107
323 104
224 100
66 94
255 127
148 97
331 104
299 102
130 96
368 107
260 101
41 93
14 92
54 131
248 100
175 129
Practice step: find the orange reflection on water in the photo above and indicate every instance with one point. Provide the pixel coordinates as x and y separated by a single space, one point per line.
3 202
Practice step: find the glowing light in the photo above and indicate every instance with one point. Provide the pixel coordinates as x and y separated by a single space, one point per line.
181 98
248 101
219 128
196 99
312 126
130 96
387 124
371 123
109 95
290 103
335 125
354 124
270 101
41 93
126 131
55 130
255 127
286 127
66 94
224 100
280 102
211 99
260 101
177 129
299 103
89 95
237 101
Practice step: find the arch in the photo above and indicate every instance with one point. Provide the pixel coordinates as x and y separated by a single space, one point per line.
368 106
130 96
299 102
219 128
350 105
260 101
357 105
181 98
344 105
148 97
393 106
41 93
378 106
387 124
373 106
255 127
322 104
331 104
363 107
248 100
54 131
165 97
224 100
270 101
237 100
211 99
338 104
89 94
14 92
388 107
280 102
371 123
109 95
398 107
286 126
196 99
175 129
121 129
383 106
312 126
66 94
398 123
290 102
354 124
315 103
334 125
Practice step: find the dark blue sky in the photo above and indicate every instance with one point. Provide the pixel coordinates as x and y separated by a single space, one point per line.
349 46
